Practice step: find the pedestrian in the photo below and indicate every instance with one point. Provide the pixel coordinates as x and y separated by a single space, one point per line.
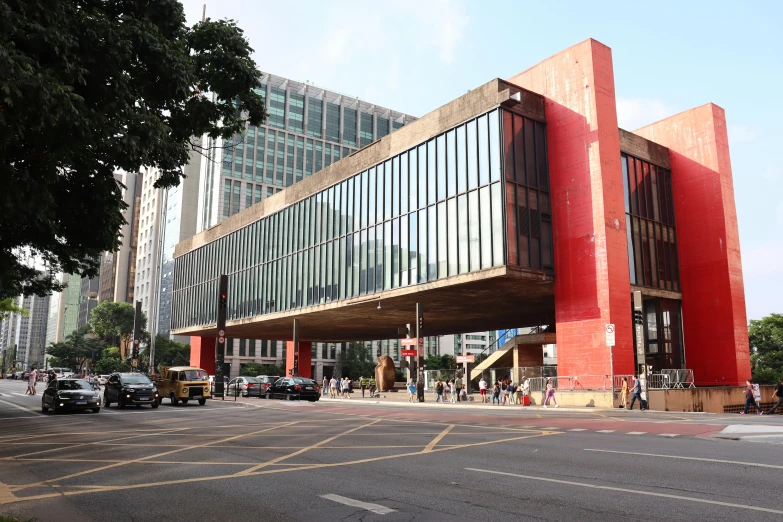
325 386
757 394
624 393
779 394
458 385
333 388
452 391
483 390
31 381
463 393
750 398
411 391
363 382
550 394
518 394
347 388
637 393
525 390
372 386
496 393
439 392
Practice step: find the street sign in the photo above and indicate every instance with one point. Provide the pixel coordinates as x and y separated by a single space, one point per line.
408 342
221 340
610 340
409 353
466 358
221 333
421 343
135 341
134 363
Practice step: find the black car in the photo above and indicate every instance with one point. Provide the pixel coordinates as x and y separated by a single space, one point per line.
70 394
130 388
266 382
290 388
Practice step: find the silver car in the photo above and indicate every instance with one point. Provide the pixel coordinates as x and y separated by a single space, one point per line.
244 386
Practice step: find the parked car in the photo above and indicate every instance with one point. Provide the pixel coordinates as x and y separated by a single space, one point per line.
102 379
244 386
70 394
266 382
290 388
130 388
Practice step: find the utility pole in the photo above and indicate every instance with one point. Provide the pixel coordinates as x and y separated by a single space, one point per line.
136 337
420 351
220 346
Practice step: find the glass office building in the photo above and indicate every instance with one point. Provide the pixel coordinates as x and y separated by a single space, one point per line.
473 197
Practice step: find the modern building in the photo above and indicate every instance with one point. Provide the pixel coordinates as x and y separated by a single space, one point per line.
518 204
27 333
64 309
118 269
88 299
471 343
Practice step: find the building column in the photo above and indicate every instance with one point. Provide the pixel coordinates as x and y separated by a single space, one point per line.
714 319
592 282
202 353
305 350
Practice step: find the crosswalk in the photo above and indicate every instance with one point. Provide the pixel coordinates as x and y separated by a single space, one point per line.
618 432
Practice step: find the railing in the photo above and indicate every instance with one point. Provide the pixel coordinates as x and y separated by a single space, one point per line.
667 379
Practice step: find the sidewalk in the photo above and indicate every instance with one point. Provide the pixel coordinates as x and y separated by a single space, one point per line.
752 433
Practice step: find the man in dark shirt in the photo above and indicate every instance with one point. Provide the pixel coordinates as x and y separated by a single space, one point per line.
779 394
750 400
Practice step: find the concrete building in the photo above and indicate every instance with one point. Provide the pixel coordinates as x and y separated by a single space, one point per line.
519 204
118 269
27 333
147 270
88 299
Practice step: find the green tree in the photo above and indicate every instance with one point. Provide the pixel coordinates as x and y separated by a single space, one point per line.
167 353
433 362
254 369
356 361
766 344
8 307
109 365
448 362
113 322
88 88
75 350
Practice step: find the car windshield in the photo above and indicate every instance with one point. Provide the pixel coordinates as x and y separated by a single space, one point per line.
135 379
73 385
193 375
299 380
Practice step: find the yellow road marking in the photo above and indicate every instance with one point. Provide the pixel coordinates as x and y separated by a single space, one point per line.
437 439
6 497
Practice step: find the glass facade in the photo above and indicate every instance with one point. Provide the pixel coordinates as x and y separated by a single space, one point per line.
649 222
431 212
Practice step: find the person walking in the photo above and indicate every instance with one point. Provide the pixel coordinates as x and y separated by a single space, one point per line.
31 381
458 385
372 386
779 394
525 390
411 391
757 394
325 387
637 393
347 388
496 393
363 382
333 388
750 399
518 394
550 394
452 391
624 393
439 392
483 390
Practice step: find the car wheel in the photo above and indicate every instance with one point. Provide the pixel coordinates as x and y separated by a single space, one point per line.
156 404
96 410
44 407
120 403
202 402
106 402
184 401
288 397
173 400
268 396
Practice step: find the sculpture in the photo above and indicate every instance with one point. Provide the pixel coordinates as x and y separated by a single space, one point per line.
385 373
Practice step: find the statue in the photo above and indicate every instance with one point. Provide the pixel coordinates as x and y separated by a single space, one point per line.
385 373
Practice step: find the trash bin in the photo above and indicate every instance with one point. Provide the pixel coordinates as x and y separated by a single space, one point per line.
420 391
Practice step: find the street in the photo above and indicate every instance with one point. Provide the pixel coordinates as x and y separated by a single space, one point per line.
275 460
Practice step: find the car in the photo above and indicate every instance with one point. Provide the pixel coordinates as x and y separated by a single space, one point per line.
130 388
70 394
244 386
182 384
266 382
103 379
290 388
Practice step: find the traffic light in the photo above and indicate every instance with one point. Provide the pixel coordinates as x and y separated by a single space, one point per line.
638 318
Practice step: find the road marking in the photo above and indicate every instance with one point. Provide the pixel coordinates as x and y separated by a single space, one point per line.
738 462
668 434
28 410
549 428
606 431
636 433
577 429
375 508
632 491
6 497
434 442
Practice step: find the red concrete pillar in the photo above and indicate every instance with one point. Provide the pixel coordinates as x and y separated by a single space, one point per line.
713 294
202 353
305 358
592 283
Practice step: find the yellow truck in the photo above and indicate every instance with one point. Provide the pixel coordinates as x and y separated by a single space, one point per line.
183 383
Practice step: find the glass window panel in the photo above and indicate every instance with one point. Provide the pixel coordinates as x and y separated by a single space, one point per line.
413 165
276 107
356 193
423 174
441 160
341 270
474 227
519 149
372 195
494 146
414 240
404 250
315 110
280 159
641 192
363 200
296 112
432 179
423 267
637 250
498 250
483 149
319 162
384 180
472 145
371 259
349 127
451 162
327 154
530 153
541 156
395 198
366 131
462 229
462 169
633 186
452 236
343 207
387 255
523 227
308 160
382 127
654 193
432 251
404 183
629 239
332 122
624 165
356 252
442 230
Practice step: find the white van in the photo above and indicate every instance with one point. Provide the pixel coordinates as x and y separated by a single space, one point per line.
62 373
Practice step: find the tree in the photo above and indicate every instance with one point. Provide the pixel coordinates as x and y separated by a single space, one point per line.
75 350
167 353
766 343
448 362
433 362
88 88
113 322
8 307
254 369
356 361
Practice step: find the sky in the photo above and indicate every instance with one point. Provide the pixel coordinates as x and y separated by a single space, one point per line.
414 56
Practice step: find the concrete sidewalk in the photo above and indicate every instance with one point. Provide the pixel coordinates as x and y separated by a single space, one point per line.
771 434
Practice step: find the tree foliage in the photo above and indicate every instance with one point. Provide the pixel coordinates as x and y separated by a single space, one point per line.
356 361
89 87
167 353
75 350
113 322
255 369
8 307
766 343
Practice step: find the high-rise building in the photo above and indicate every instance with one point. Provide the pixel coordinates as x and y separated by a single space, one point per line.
27 332
118 269
148 250
63 310
88 299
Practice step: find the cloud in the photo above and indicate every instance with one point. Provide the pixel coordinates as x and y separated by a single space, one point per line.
739 133
633 113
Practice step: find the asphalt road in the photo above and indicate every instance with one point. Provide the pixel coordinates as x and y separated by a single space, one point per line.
274 460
